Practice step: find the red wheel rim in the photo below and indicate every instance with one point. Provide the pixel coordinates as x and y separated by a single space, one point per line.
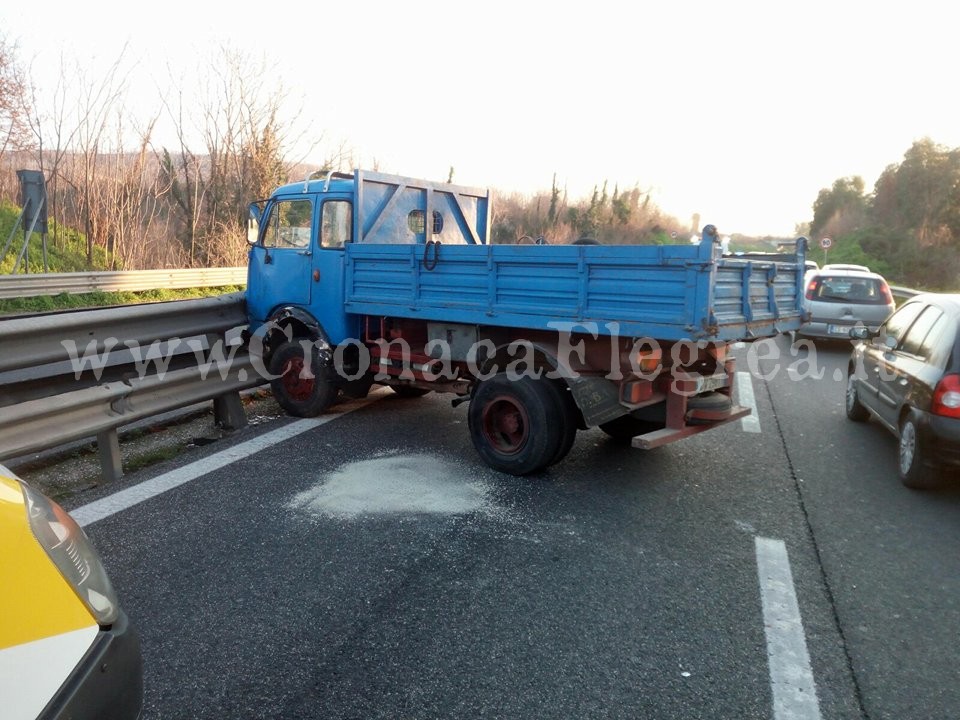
295 385
505 425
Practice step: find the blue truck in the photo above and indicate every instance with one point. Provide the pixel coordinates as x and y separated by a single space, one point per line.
366 278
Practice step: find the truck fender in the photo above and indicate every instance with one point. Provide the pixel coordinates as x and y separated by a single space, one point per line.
303 324
287 323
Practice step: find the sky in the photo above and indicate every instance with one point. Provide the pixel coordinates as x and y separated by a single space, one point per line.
740 112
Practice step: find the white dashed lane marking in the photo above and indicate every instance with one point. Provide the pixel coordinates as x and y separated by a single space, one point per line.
750 423
791 678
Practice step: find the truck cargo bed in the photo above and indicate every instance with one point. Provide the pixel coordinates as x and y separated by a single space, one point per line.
666 292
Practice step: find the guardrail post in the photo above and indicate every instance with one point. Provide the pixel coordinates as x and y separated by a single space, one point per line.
228 411
108 445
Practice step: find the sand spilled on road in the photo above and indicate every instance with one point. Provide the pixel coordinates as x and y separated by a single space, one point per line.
394 484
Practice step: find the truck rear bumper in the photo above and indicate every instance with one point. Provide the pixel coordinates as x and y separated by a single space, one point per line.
667 435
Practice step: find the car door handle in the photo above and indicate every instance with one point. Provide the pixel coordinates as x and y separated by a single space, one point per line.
306 253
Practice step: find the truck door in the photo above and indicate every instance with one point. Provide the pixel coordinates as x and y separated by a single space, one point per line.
280 263
335 231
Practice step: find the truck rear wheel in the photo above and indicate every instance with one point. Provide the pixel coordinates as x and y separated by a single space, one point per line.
568 417
513 423
301 393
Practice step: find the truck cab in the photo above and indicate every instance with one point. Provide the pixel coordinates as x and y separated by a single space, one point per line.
299 235
296 259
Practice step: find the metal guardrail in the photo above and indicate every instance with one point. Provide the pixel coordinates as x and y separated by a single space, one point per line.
64 411
905 293
17 286
58 419
45 339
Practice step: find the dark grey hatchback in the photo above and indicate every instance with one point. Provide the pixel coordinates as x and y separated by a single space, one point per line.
906 374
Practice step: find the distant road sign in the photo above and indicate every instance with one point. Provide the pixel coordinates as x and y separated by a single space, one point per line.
825 243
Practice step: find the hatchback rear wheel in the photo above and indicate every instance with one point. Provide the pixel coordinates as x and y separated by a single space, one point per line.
917 471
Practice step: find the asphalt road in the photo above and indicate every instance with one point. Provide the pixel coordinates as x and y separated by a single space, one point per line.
372 567
890 556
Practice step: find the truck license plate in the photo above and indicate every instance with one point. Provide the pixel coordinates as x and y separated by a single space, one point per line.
838 329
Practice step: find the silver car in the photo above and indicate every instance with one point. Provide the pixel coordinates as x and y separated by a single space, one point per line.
839 299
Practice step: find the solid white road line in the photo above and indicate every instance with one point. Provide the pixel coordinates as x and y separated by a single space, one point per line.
791 678
105 507
750 423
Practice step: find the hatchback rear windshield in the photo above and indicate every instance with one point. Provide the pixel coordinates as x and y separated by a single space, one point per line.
839 288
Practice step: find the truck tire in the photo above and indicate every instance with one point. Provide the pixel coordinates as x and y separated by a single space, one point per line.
301 396
568 418
712 401
513 423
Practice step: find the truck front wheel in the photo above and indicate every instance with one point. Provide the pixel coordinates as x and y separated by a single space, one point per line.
513 424
303 382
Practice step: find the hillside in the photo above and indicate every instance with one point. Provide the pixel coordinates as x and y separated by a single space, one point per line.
66 248
67 252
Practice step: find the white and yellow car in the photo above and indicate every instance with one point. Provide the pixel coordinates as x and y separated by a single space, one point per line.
67 650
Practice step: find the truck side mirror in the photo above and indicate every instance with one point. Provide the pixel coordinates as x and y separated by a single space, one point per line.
253 225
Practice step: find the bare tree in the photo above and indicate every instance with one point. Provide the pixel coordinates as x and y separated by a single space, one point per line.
246 132
127 199
98 102
52 147
14 111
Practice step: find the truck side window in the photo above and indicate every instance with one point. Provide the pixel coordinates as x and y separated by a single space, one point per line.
336 224
289 224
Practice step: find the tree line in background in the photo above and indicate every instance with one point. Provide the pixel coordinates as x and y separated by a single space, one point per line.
137 204
908 227
611 218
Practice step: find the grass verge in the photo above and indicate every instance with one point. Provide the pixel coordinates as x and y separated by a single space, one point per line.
65 301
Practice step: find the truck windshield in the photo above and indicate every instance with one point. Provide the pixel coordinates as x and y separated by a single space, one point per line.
289 224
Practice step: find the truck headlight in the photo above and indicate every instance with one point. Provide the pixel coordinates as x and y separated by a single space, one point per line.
73 554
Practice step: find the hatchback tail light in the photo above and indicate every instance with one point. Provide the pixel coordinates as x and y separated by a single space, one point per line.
811 288
946 397
885 291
